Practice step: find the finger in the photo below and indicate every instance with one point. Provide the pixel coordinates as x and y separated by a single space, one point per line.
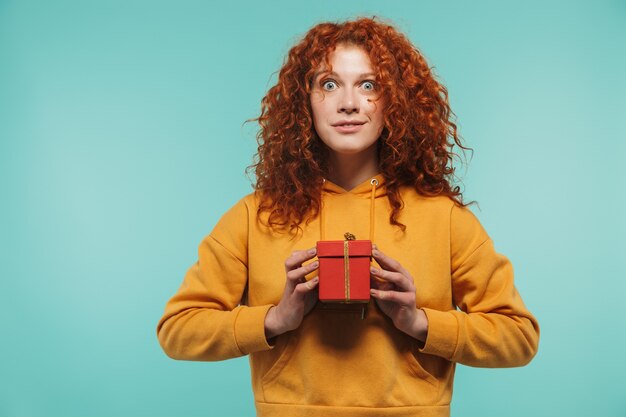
381 284
402 298
305 287
386 261
389 263
400 280
295 276
298 257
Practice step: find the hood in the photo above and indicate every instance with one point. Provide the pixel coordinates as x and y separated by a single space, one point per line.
364 189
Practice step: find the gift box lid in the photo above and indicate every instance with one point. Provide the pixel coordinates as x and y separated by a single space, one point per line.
334 248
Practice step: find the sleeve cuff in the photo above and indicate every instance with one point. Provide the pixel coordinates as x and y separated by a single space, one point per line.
442 336
250 329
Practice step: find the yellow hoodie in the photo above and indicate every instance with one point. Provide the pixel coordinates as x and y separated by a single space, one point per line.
336 363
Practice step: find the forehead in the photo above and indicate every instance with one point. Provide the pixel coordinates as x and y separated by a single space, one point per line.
348 61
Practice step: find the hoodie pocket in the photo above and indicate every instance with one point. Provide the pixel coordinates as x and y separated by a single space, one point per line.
281 361
415 366
337 359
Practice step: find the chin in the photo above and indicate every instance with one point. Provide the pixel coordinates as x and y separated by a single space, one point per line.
345 149
351 149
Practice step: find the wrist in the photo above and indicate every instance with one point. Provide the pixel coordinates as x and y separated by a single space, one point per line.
419 329
273 323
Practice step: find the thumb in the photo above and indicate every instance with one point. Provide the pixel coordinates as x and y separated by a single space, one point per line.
305 287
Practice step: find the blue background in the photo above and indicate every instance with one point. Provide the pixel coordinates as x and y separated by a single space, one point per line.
122 142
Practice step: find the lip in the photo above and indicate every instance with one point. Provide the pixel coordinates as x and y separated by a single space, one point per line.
348 128
349 122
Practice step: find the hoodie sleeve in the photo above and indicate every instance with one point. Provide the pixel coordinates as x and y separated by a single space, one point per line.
492 327
205 320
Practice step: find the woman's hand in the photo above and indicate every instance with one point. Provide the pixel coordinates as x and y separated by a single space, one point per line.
394 292
298 298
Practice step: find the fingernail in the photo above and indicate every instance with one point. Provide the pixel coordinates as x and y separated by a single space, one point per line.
315 279
312 251
373 270
315 264
375 252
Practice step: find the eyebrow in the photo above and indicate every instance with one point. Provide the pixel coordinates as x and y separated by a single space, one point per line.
367 74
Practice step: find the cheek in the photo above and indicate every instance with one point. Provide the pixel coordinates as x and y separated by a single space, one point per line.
376 114
378 122
318 108
375 107
315 98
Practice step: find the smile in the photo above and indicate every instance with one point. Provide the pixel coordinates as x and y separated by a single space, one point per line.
348 128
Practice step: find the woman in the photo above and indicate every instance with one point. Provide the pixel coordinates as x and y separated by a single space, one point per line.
354 138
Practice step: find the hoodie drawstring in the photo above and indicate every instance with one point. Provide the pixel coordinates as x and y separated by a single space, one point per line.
374 183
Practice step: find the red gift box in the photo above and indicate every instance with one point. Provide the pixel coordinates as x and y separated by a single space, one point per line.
344 270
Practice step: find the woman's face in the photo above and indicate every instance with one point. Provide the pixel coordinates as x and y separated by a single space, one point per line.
347 95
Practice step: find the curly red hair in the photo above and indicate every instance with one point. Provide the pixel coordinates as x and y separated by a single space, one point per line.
413 148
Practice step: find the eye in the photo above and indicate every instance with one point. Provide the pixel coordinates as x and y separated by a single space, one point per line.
369 83
327 82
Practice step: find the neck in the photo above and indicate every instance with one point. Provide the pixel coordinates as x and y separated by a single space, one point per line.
348 171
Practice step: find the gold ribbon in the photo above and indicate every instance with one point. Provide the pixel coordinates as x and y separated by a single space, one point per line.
346 269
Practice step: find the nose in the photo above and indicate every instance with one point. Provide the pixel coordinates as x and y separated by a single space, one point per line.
348 103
